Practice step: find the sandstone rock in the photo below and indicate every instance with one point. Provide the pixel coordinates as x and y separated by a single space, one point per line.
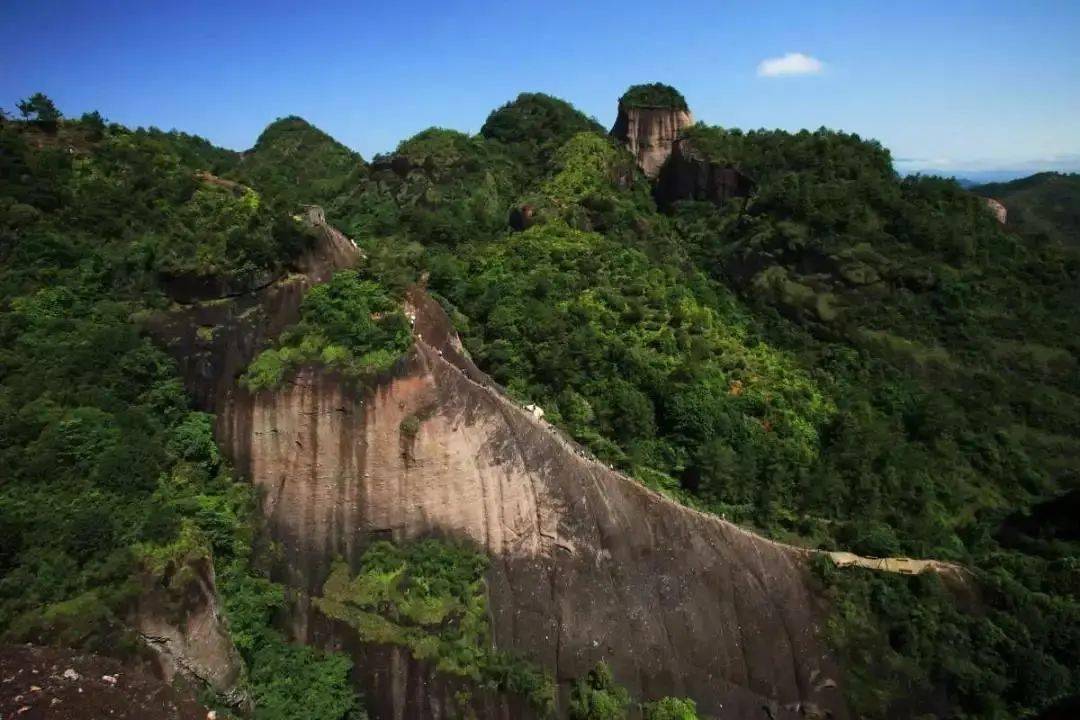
181 622
997 209
586 564
688 175
650 133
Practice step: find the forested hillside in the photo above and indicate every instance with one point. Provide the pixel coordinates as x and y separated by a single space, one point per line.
1045 204
107 475
845 359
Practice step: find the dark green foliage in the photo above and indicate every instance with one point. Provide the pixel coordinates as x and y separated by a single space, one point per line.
598 697
611 345
906 642
94 125
41 111
653 95
440 186
348 324
296 163
594 185
534 125
1045 206
287 681
846 359
670 709
430 597
106 475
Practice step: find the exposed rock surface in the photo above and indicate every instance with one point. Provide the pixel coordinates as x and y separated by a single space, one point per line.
214 340
650 133
688 175
182 624
587 564
997 209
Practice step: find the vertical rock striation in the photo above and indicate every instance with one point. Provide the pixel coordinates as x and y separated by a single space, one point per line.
649 121
586 564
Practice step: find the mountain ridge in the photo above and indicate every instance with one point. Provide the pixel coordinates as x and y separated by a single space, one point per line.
804 358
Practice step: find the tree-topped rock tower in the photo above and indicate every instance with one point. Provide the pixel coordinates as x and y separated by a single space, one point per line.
650 119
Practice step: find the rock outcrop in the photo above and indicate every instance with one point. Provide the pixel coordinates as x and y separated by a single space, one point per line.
997 209
689 175
181 623
649 133
586 564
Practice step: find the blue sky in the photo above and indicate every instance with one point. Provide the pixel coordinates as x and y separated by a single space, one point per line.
963 86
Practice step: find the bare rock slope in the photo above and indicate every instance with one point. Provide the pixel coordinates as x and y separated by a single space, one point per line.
587 565
179 619
649 133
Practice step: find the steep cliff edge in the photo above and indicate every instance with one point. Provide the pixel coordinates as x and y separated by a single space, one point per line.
587 564
689 174
649 121
180 621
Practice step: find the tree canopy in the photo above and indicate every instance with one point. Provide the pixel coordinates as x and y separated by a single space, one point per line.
845 359
653 95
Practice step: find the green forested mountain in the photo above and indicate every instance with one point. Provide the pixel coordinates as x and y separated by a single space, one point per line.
1045 204
107 474
844 359
298 163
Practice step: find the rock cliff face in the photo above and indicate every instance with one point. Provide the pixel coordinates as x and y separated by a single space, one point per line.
688 175
182 625
586 564
997 209
650 133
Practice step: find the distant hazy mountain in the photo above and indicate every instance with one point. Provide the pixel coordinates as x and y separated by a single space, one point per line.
971 178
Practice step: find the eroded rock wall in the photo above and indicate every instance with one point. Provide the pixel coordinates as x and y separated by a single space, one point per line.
688 175
181 622
650 133
587 565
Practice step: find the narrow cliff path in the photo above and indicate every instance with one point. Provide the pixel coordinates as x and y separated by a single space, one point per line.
433 332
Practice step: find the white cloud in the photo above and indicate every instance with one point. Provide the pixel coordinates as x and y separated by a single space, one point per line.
790 64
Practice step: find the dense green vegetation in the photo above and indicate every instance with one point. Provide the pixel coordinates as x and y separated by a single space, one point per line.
597 696
298 163
534 126
846 359
40 110
1043 206
347 324
107 476
653 95
430 597
670 708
